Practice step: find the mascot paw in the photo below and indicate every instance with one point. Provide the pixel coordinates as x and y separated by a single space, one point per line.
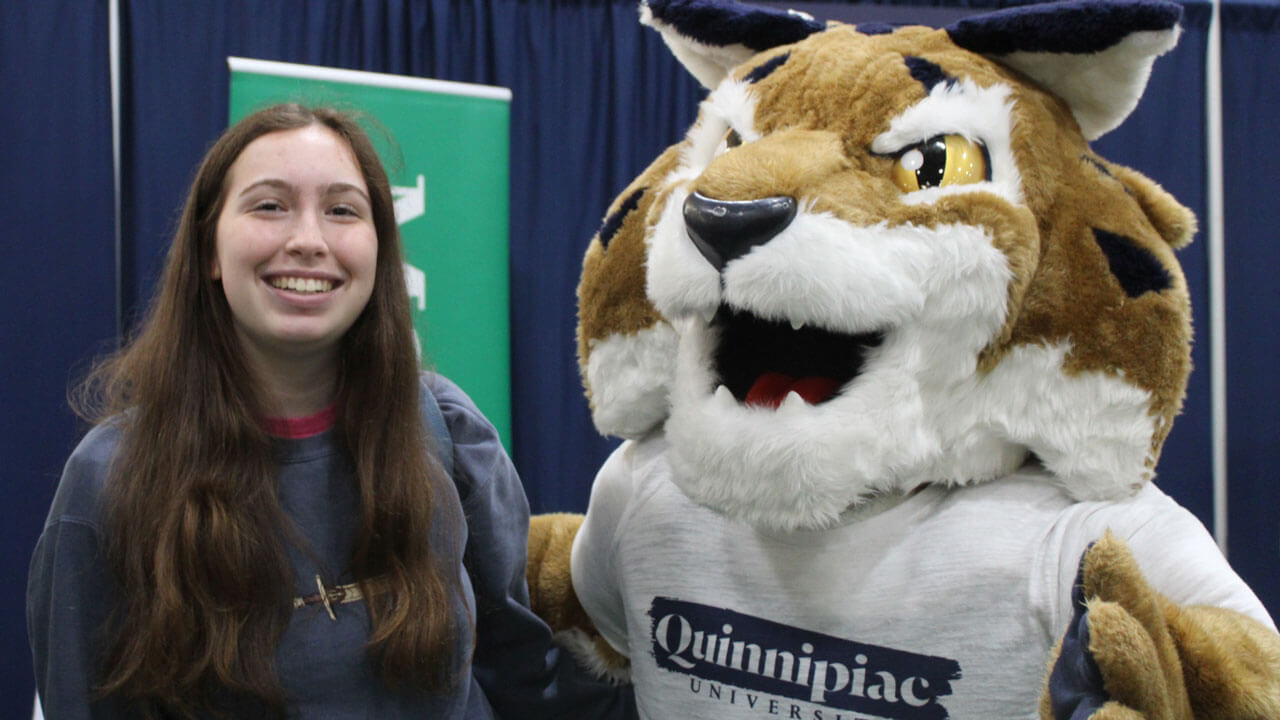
1130 653
551 596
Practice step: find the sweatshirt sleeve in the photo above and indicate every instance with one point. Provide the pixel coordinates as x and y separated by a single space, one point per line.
1175 552
69 589
523 672
593 561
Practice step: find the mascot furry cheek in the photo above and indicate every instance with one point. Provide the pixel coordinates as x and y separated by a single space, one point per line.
895 352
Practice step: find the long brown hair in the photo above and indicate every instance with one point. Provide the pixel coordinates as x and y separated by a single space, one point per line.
194 534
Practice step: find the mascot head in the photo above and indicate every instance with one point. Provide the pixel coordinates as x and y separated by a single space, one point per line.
887 256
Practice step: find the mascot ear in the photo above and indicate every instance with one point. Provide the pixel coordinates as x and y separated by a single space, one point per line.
711 37
1096 55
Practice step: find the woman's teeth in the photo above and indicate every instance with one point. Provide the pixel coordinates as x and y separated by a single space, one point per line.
302 285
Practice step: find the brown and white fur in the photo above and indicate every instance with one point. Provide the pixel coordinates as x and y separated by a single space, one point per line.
1005 331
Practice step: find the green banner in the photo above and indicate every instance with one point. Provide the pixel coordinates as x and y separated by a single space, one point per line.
447 156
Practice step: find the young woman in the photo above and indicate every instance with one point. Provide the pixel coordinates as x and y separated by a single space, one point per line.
260 524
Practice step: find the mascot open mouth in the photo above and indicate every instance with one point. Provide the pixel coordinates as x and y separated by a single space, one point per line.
760 361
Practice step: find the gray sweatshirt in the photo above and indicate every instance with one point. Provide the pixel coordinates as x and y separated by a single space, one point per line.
516 670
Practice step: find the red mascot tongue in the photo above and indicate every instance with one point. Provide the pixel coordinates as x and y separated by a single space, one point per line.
770 388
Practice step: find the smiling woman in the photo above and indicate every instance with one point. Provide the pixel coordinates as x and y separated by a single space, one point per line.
271 516
296 252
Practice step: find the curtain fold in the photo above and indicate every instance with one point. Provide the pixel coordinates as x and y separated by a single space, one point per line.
1251 151
57 236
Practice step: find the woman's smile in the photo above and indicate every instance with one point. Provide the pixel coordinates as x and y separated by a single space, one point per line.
296 246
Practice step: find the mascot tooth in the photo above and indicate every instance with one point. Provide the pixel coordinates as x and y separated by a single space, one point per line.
895 353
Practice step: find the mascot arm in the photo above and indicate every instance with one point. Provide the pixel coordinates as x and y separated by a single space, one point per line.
567 547
1129 652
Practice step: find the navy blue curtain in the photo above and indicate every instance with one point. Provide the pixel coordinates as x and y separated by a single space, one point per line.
595 98
58 273
1251 111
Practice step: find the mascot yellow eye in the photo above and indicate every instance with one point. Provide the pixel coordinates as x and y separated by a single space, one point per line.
940 161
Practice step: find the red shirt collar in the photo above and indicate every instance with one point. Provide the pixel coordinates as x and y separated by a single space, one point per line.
303 427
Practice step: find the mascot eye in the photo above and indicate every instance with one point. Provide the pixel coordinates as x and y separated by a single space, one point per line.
940 161
730 141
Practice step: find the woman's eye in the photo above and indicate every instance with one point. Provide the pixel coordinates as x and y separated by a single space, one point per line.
941 161
268 206
345 210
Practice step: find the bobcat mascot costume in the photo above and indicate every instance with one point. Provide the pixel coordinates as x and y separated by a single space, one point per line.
895 353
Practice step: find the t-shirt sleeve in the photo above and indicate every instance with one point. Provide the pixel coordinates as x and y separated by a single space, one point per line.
69 590
593 563
1175 552
523 672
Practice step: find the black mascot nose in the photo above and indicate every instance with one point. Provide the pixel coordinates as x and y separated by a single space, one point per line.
726 229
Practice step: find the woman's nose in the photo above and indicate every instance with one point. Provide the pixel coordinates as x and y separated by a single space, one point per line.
307 238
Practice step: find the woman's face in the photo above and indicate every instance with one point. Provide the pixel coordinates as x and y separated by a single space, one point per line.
296 248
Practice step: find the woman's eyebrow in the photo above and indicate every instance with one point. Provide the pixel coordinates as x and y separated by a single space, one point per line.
333 189
341 187
268 182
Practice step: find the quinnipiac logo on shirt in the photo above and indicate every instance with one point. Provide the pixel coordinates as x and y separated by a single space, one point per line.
720 645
